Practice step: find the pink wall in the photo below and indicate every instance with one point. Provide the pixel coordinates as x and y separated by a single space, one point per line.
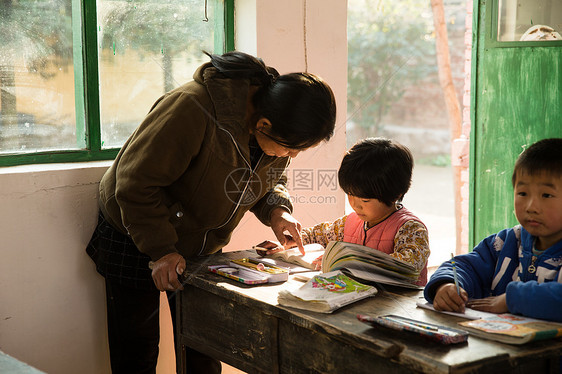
461 146
292 38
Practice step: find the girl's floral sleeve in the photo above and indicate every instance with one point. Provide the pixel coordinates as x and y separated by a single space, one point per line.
411 244
324 232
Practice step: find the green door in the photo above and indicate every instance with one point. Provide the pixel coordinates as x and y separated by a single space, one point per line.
516 100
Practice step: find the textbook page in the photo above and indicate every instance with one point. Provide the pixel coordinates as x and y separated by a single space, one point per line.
313 253
369 276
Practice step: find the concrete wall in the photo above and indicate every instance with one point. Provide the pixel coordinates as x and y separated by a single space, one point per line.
52 302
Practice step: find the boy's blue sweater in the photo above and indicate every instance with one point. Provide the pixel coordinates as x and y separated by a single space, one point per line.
501 263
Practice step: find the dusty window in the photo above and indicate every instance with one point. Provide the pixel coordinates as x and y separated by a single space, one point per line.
524 20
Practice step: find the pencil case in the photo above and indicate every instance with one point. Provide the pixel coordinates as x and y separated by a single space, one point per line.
250 271
437 333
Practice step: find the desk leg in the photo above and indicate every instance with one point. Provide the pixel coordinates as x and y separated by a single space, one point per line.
180 346
556 365
180 360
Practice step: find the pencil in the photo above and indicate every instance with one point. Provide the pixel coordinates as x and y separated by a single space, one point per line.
455 274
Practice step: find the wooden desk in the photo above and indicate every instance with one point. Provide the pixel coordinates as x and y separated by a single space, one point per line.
244 327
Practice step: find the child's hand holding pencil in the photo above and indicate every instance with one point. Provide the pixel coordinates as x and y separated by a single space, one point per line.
450 297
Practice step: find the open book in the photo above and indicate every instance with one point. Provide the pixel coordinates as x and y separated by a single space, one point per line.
512 329
325 293
369 265
313 252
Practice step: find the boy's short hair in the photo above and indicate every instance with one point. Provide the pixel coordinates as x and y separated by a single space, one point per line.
377 168
544 156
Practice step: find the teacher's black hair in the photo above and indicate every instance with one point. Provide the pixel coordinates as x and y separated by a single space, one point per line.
301 107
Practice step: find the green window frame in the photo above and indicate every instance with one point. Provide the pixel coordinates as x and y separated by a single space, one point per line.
492 9
86 88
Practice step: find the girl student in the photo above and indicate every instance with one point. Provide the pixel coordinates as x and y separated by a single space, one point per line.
375 174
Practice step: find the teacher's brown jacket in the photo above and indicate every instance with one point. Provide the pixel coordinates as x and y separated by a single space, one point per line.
183 181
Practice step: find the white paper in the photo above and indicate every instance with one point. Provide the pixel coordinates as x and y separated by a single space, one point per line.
468 313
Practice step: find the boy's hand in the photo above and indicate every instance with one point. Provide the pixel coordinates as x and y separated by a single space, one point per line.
492 304
448 300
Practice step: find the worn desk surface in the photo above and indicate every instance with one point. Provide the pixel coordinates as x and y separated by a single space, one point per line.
244 327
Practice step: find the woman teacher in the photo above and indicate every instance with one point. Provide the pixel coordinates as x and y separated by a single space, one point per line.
206 153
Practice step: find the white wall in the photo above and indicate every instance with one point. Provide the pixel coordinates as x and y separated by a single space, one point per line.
52 302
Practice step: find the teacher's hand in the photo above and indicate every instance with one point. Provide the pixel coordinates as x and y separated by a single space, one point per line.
165 272
282 221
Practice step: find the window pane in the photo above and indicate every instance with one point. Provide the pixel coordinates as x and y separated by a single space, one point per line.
523 20
147 48
37 107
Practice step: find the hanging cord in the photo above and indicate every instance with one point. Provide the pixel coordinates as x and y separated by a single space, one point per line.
304 39
206 18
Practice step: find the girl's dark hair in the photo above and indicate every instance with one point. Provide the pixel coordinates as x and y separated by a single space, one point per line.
300 106
377 168
544 156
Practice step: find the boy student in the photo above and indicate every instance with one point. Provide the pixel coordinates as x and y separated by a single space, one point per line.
375 174
516 270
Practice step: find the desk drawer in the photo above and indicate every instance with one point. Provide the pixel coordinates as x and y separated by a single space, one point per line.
222 331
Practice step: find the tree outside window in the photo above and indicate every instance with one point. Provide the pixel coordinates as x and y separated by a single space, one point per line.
136 50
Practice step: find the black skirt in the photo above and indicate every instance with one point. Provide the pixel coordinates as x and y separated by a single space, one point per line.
117 257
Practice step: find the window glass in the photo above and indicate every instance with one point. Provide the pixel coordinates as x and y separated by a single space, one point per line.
524 20
147 48
37 103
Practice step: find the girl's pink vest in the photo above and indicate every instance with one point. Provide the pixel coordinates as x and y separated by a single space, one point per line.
381 236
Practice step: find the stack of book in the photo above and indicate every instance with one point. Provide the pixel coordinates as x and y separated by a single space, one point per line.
512 329
506 327
325 293
368 265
